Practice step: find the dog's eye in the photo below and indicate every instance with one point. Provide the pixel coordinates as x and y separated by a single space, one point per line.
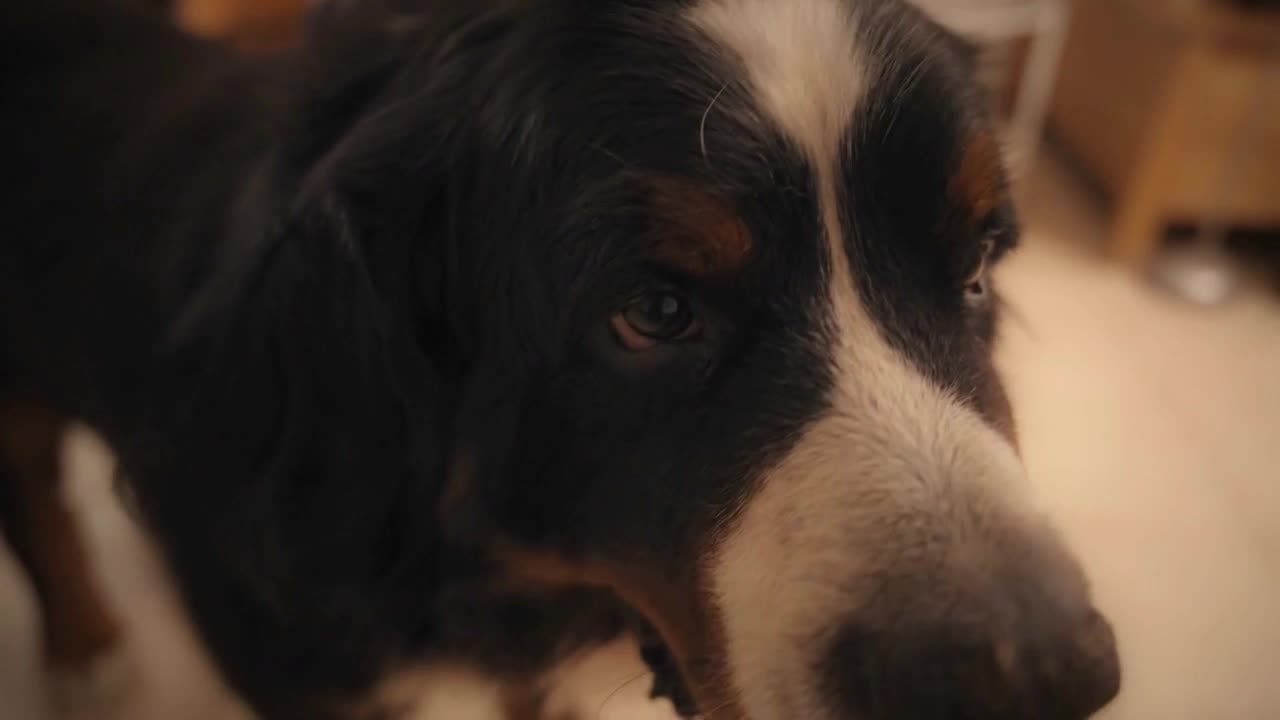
977 287
653 318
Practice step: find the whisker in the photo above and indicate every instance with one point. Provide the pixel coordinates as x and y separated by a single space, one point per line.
706 715
908 85
609 154
620 688
702 126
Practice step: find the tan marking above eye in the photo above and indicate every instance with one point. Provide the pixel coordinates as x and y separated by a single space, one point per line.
697 233
977 183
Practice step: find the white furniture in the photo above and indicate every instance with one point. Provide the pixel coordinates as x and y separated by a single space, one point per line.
1021 45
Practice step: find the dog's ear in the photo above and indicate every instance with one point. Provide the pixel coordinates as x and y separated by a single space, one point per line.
429 179
394 263
325 420
319 387
296 469
372 288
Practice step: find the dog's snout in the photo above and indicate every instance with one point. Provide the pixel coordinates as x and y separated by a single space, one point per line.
956 670
1090 677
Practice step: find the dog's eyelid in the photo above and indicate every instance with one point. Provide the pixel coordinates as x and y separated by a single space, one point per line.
977 284
999 230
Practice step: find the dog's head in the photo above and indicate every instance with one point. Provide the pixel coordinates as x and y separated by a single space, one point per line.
710 281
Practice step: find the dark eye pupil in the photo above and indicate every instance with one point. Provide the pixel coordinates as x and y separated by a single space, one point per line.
660 316
976 286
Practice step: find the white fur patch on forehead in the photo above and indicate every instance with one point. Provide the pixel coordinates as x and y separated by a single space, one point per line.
801 61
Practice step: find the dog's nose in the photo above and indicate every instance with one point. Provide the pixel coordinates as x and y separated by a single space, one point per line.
1062 671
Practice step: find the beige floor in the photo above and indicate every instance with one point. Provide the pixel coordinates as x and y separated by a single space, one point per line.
1151 428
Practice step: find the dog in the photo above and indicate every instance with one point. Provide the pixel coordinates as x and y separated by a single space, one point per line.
479 333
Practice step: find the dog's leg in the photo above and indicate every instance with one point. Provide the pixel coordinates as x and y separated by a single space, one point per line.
81 638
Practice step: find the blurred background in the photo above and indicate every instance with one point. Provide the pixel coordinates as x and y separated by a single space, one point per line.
1141 348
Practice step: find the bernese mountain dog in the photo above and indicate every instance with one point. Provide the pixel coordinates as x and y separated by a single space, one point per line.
477 333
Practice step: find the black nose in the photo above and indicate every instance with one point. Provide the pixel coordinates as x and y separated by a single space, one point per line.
1067 672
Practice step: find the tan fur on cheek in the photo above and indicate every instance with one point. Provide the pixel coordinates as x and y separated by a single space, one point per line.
681 610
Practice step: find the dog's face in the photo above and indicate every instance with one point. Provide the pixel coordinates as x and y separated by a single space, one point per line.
714 278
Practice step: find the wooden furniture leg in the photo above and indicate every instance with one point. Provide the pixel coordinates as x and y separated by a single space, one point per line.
1140 213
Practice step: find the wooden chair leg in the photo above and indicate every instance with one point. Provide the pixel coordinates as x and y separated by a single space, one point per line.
40 528
1141 207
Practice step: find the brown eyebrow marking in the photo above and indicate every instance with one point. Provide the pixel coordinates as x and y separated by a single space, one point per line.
697 232
978 181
